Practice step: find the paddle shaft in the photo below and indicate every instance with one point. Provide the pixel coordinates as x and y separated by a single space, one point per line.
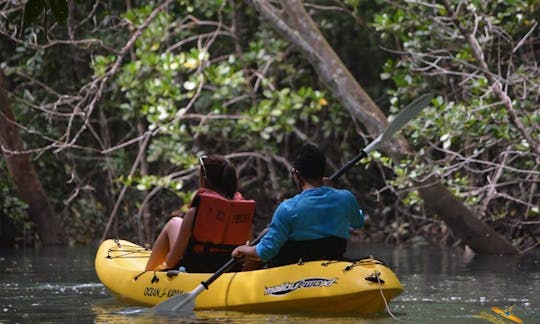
349 165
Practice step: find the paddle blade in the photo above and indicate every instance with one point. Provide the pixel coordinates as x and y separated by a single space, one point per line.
183 303
406 115
401 120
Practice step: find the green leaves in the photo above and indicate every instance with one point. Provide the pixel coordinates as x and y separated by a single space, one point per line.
282 110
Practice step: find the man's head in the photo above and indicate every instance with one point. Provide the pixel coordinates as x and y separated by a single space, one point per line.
310 163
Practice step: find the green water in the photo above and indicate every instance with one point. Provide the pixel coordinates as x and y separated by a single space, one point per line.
59 285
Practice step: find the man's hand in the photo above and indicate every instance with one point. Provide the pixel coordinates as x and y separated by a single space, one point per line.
248 256
244 251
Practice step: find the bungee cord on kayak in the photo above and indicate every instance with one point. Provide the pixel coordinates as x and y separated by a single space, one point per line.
129 251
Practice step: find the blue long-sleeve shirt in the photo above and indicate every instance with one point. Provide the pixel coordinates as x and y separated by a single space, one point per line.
312 214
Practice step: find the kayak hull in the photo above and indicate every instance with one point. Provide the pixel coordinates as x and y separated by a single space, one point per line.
317 286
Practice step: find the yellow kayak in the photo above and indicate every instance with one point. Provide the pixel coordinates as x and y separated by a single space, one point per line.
507 313
317 286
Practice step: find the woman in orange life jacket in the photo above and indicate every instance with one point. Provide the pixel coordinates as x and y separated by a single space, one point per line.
218 219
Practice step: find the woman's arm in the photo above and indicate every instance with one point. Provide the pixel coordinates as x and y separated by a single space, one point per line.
179 247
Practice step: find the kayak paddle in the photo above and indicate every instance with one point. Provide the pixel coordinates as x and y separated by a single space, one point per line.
186 302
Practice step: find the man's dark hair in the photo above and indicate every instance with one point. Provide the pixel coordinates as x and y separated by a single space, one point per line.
310 162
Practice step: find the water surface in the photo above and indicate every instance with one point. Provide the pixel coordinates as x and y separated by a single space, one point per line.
59 285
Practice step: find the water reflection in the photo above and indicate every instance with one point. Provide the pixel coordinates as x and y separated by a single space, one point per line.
443 286
117 314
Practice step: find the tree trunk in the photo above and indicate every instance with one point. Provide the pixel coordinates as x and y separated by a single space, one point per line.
24 175
295 25
146 225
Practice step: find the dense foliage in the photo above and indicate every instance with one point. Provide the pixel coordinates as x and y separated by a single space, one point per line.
126 96
483 143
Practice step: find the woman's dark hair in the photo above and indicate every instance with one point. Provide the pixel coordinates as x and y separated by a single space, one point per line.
220 175
310 162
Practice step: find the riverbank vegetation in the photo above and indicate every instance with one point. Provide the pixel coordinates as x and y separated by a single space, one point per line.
107 106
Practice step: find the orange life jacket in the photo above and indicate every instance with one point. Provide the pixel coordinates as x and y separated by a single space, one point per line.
220 224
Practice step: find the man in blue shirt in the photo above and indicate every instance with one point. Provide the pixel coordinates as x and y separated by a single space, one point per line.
313 225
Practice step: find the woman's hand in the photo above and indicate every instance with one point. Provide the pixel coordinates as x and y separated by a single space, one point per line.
161 267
